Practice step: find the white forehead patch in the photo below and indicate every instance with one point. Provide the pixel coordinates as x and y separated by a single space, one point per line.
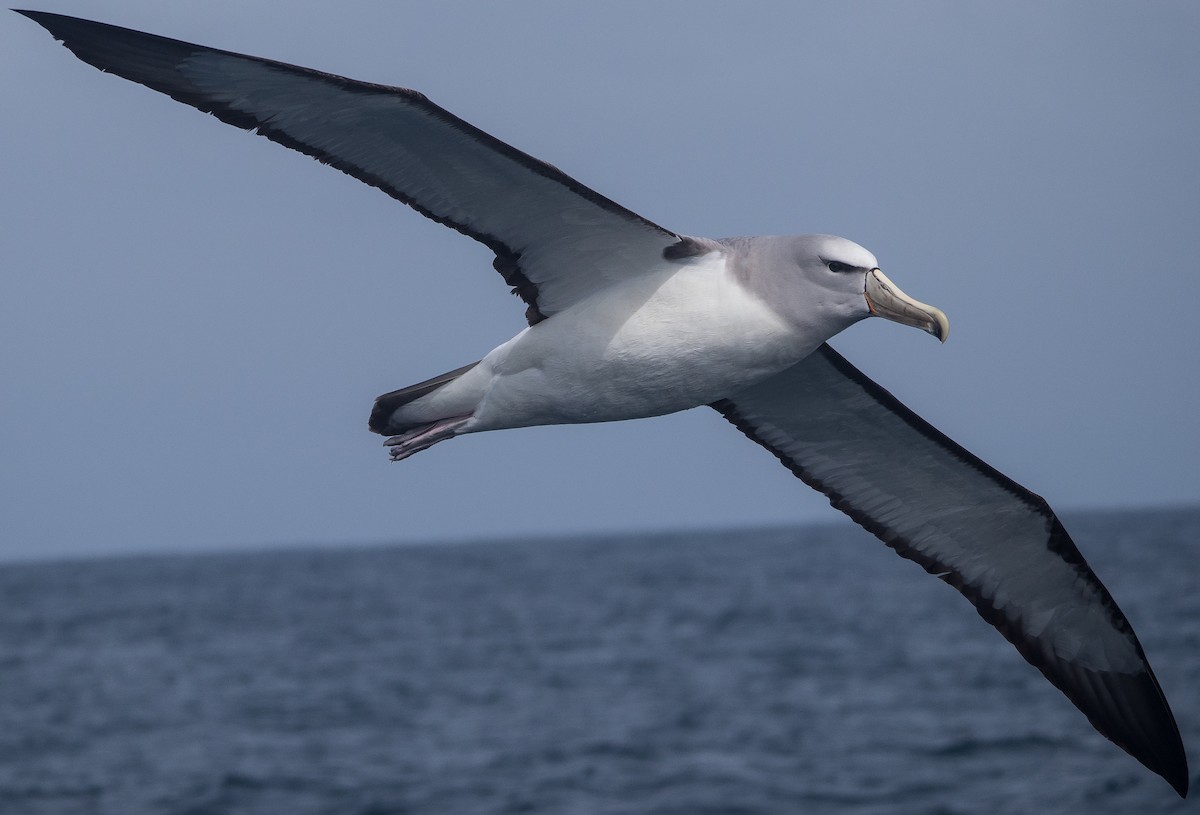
831 247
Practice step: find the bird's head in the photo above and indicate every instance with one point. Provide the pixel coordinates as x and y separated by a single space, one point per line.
841 277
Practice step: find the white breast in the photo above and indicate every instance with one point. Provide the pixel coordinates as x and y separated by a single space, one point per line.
683 336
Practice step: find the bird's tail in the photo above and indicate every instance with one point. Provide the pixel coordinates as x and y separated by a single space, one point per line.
383 419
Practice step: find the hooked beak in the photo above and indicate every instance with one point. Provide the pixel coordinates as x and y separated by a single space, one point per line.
885 299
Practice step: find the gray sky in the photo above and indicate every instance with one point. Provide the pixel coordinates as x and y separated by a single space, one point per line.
194 321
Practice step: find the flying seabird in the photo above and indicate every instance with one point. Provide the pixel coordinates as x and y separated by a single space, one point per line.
628 319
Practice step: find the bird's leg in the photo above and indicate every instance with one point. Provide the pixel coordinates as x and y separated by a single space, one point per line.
423 437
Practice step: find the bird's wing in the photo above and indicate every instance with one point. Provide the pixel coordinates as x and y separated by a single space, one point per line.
989 537
556 241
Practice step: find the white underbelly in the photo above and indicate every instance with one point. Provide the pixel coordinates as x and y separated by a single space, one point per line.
656 345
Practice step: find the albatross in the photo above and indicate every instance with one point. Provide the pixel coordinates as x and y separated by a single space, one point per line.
627 319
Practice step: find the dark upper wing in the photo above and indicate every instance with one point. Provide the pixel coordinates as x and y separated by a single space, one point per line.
556 241
990 538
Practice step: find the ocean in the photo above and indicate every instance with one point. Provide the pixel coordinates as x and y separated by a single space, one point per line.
805 670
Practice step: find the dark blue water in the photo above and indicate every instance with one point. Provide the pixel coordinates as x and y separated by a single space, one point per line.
790 671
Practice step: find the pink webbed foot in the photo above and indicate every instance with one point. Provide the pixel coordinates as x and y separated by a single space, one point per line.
423 437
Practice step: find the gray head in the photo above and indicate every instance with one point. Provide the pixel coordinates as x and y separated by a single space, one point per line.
825 283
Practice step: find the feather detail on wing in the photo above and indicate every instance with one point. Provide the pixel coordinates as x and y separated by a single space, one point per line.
999 544
556 240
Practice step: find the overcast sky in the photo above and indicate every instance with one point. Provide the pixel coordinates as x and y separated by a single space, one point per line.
194 321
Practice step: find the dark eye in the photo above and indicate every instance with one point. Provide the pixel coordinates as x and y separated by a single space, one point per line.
838 266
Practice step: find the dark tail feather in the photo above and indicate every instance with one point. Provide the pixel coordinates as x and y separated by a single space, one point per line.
385 406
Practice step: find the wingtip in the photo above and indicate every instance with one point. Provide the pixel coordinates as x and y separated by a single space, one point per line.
1155 740
1180 785
1170 762
54 23
36 16
1176 774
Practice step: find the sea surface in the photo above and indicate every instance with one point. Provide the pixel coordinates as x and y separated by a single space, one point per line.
805 670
